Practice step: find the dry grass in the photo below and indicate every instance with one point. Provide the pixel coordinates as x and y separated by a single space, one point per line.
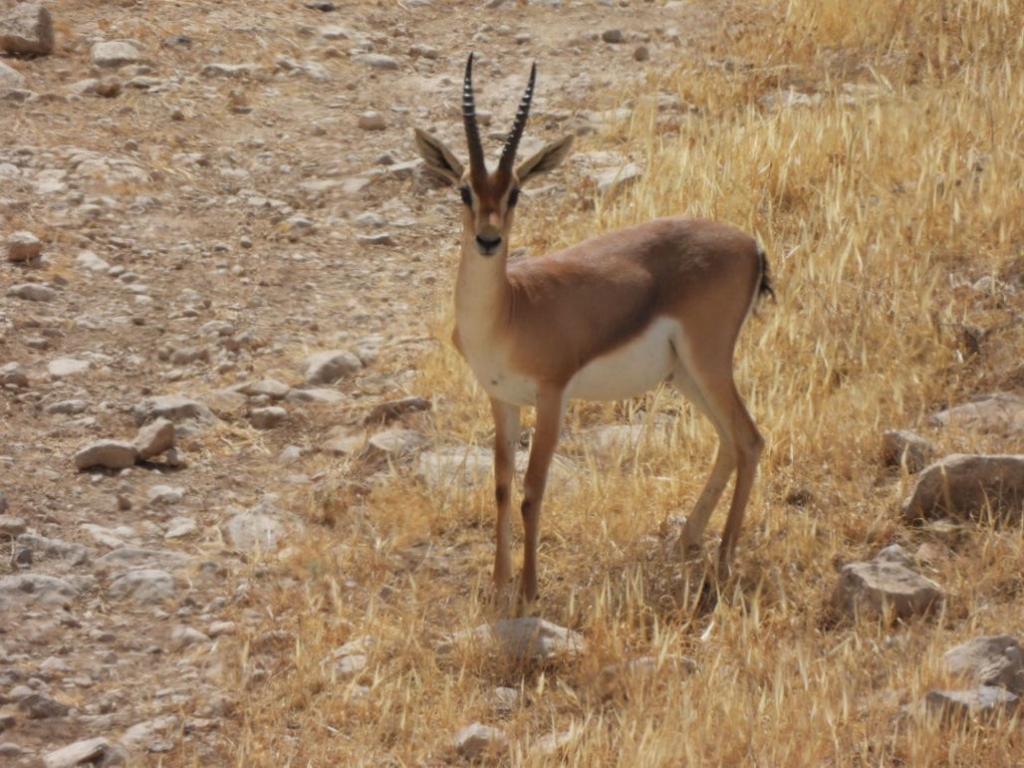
880 204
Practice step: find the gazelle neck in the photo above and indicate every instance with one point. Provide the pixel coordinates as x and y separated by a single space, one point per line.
482 289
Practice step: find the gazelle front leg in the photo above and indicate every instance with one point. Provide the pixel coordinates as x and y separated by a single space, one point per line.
506 435
550 410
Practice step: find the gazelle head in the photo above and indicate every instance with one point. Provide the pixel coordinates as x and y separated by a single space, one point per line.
489 197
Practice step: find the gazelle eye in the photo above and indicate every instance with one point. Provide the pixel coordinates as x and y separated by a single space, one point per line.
513 197
467 196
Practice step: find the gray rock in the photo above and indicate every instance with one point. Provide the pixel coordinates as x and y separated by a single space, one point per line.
393 443
613 36
67 407
39 706
10 77
165 494
316 395
885 583
32 292
110 454
642 53
550 743
14 375
114 53
271 388
179 527
67 366
91 262
183 637
523 638
622 678
228 70
901 448
329 367
22 246
612 180
267 418
140 559
188 416
504 699
989 660
478 739
260 526
998 414
29 589
86 752
72 551
27 29
963 486
154 438
376 61
985 703
372 121
9 749
11 526
146 586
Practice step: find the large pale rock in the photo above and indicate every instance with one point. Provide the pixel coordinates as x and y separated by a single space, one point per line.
29 589
328 367
188 416
523 638
32 291
62 367
963 486
999 414
109 454
86 752
989 660
885 583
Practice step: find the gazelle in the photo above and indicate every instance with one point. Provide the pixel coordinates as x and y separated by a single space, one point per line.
605 319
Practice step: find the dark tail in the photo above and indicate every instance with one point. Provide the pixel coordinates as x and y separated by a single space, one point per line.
765 288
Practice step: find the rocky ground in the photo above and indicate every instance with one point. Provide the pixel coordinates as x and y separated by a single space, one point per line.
194 203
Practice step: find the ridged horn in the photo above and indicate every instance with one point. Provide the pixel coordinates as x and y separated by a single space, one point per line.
476 149
508 154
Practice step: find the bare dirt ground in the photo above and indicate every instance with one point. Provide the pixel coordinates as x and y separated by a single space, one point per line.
243 211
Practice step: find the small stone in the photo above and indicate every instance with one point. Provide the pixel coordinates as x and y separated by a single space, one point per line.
985 703
10 77
35 589
394 442
967 486
613 36
90 261
13 374
183 637
114 53
40 707
109 454
87 752
392 409
901 448
522 638
27 29
145 586
271 388
999 414
885 583
377 61
154 438
63 367
267 418
32 292
378 238
22 246
259 527
165 494
329 367
642 53
372 121
189 416
220 628
477 739
989 660
11 527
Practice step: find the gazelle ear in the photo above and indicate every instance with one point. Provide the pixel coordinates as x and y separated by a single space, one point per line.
438 157
545 160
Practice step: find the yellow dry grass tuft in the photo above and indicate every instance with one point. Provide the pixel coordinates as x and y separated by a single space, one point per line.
878 155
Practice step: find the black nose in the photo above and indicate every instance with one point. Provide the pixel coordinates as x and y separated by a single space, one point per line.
488 242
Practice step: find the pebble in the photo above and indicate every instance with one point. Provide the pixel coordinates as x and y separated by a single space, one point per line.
10 526
67 366
146 586
12 374
22 246
377 61
613 36
114 53
32 292
267 418
329 367
477 739
372 121
109 454
154 438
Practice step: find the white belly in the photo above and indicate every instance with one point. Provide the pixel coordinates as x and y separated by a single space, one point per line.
631 369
